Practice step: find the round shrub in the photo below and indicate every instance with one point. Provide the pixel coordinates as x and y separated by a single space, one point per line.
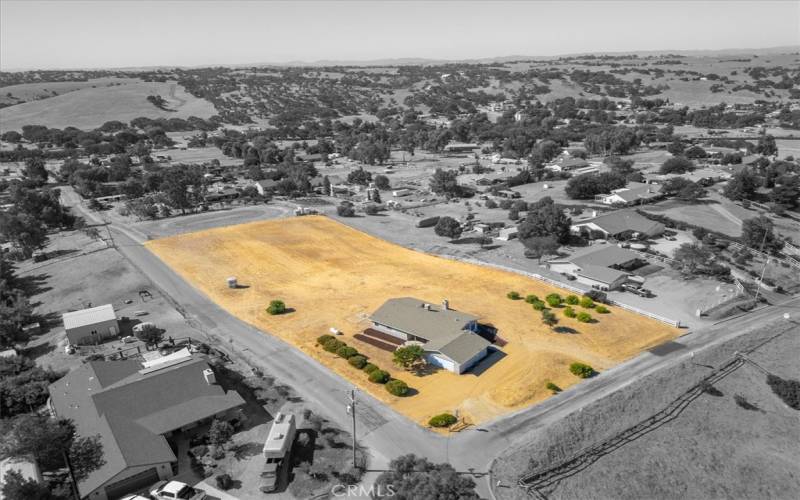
442 420
581 370
572 300
587 302
379 376
397 387
584 317
369 368
553 300
513 295
538 305
602 309
358 361
552 387
332 345
346 352
569 312
276 307
224 482
530 299
323 339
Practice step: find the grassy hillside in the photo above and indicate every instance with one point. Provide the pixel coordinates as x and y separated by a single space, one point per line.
25 92
88 108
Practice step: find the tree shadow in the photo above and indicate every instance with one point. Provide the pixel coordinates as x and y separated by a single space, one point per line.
247 450
34 284
565 329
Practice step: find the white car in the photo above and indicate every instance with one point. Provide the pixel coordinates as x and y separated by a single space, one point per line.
134 497
175 490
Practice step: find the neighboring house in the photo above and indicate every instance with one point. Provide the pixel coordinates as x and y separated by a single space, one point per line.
751 160
91 326
225 194
568 163
449 337
460 147
134 409
26 467
508 233
632 194
264 186
603 268
621 225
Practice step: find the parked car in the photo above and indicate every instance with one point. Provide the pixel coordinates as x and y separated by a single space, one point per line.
175 490
134 497
636 289
129 339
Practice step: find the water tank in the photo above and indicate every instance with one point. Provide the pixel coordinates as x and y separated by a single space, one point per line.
232 282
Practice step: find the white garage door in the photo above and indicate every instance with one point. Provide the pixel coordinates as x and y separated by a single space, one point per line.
440 361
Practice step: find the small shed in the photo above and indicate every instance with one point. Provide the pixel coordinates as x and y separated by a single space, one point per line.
91 326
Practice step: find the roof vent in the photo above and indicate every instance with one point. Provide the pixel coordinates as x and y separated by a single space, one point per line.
208 374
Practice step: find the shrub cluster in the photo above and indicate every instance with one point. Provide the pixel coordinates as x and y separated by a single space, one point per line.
587 302
572 300
397 387
513 295
531 299
276 307
584 317
602 309
581 370
539 305
552 387
379 376
359 361
553 300
442 420
569 312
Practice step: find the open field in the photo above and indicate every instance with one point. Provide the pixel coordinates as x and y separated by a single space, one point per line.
713 449
88 108
24 92
334 276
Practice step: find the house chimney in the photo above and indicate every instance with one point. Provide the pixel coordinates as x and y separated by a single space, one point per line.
211 379
445 305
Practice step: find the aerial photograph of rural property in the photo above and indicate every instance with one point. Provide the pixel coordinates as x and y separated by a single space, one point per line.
399 249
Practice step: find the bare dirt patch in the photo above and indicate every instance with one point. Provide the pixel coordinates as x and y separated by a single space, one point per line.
334 276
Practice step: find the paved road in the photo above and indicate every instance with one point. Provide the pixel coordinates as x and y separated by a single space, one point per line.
385 432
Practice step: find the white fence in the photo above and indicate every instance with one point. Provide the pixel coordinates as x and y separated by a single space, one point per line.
565 286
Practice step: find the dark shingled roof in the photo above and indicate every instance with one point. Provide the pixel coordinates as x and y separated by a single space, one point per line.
442 328
620 221
131 410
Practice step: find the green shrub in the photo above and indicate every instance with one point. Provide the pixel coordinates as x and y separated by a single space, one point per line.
538 305
224 482
276 307
369 368
552 387
513 295
346 352
530 299
442 420
602 309
553 300
379 376
323 339
358 361
587 302
397 387
581 370
332 345
572 300
569 312
786 389
584 317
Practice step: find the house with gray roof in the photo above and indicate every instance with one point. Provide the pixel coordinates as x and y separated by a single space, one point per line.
135 410
603 267
620 224
635 193
449 337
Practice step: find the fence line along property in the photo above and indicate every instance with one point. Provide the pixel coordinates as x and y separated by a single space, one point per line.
564 286
545 477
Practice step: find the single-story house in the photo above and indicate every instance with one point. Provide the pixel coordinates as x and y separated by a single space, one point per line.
91 326
264 186
604 267
449 337
568 164
632 194
621 224
460 147
507 233
751 160
134 409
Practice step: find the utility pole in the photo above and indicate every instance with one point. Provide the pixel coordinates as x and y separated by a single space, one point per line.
73 482
351 409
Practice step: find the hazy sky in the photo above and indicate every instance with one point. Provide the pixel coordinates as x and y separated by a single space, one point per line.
109 33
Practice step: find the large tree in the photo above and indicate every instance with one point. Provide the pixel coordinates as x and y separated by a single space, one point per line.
758 233
410 478
445 182
742 186
448 227
545 219
677 165
586 186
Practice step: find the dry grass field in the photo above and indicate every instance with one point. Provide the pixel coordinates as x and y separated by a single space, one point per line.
334 276
88 108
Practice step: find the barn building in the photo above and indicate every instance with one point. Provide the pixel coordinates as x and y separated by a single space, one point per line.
91 326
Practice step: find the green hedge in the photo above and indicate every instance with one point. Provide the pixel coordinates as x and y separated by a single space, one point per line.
321 340
572 300
379 376
369 368
582 370
587 302
530 299
397 387
513 295
602 309
552 387
346 352
584 317
539 306
332 345
569 312
276 307
442 420
553 300
358 361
